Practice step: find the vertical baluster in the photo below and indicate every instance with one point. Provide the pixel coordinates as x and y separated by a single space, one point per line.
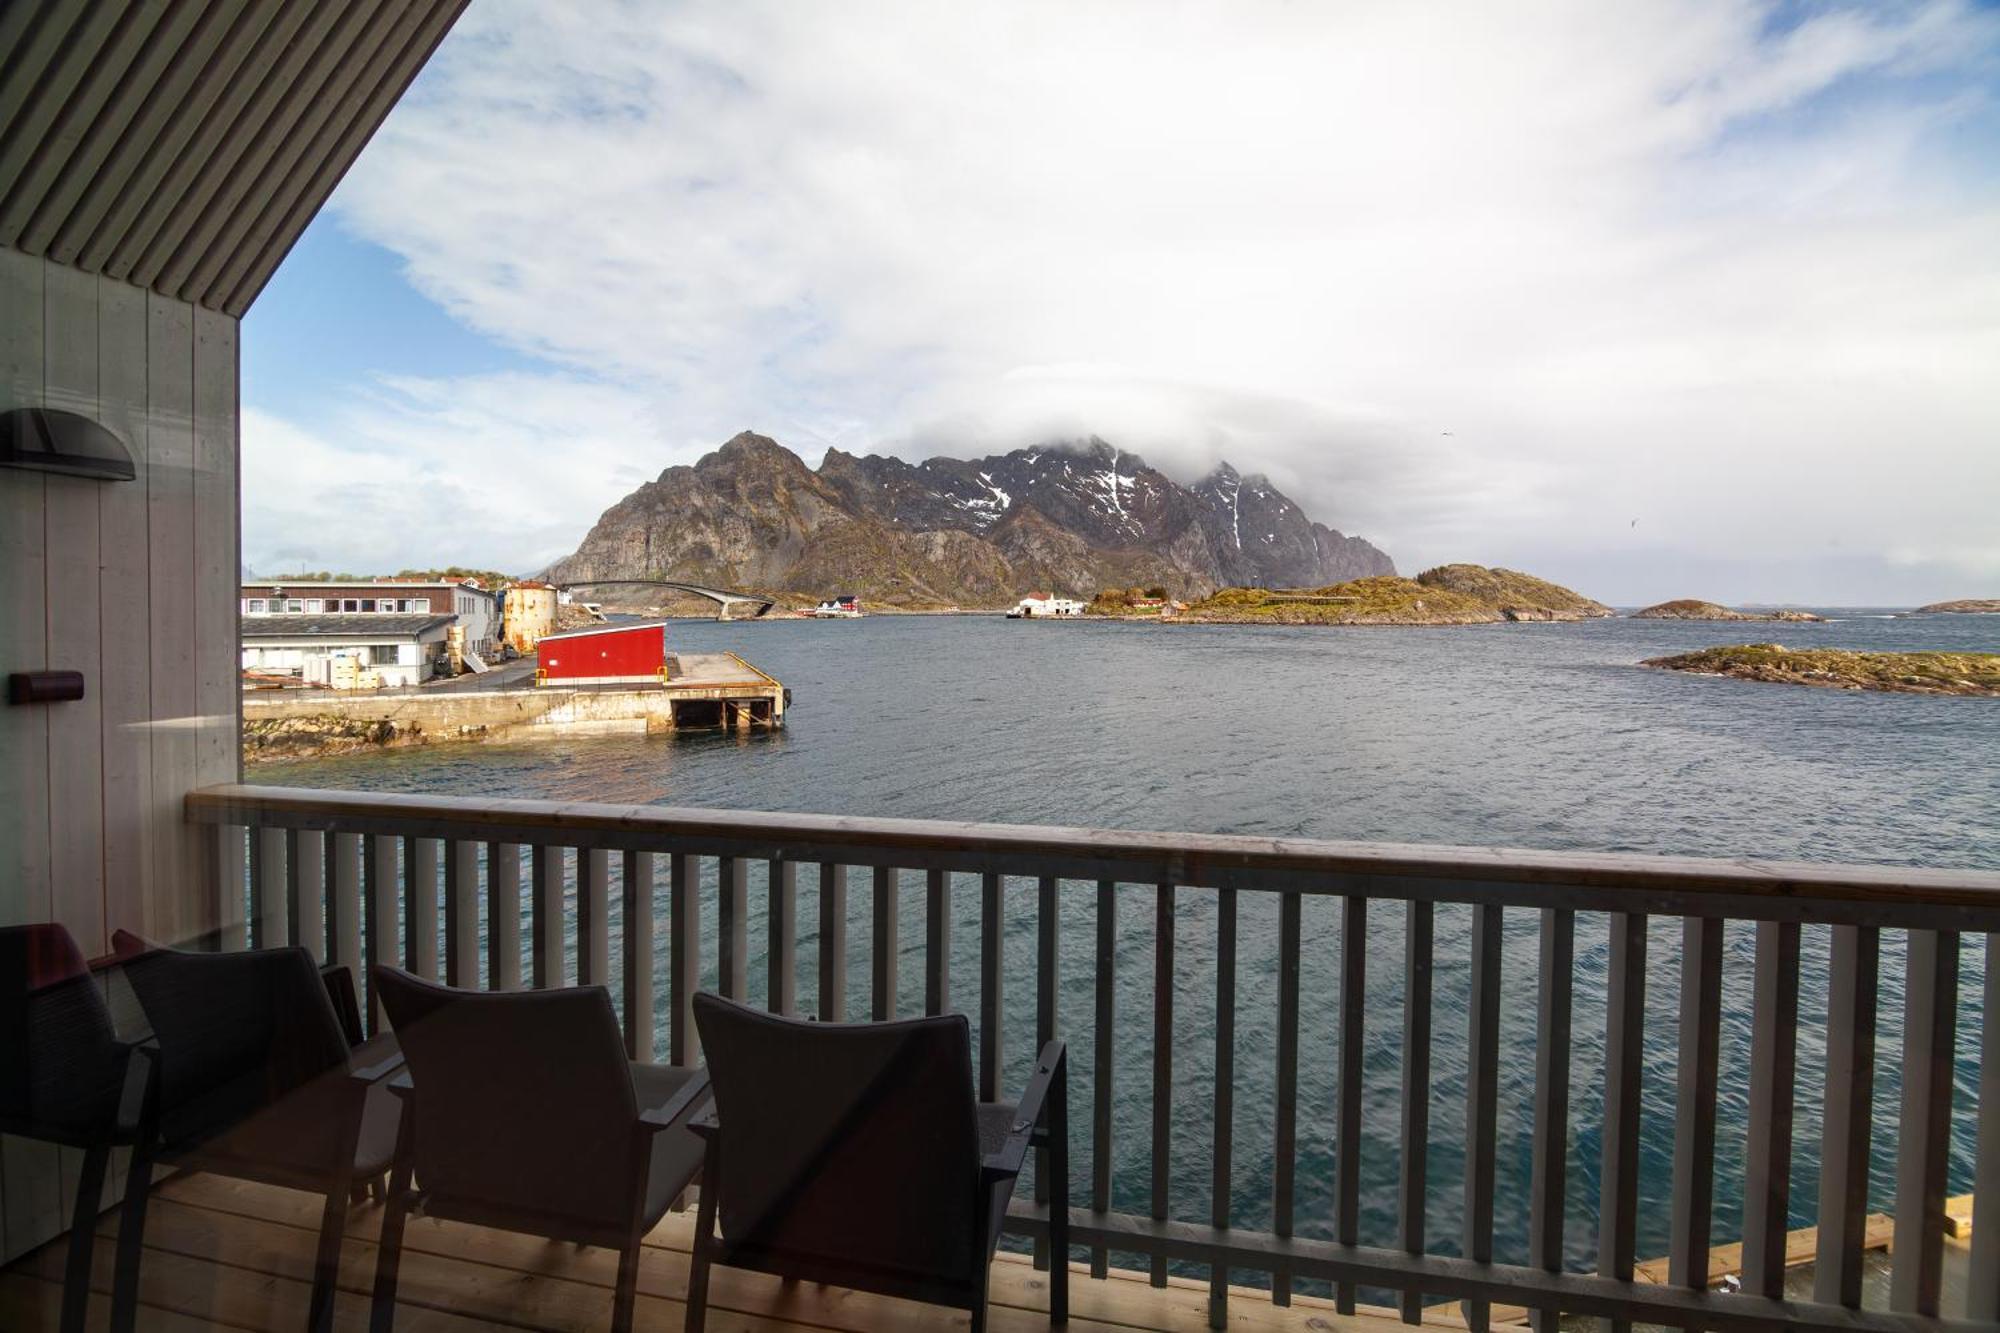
228 844
1048 927
420 907
1285 1132
1418 918
503 916
379 889
593 916
343 874
781 983
832 942
461 914
1347 1126
1624 1059
1104 1041
1982 1291
305 890
937 942
1694 1103
271 926
1222 1156
1923 1153
991 1004
683 958
636 886
1482 1097
885 945
1551 1136
1163 1062
1767 1164
546 943
732 926
1850 1098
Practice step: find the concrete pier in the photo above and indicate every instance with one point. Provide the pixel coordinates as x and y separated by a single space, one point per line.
703 691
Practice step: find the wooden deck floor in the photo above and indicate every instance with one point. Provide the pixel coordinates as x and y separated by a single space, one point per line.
229 1254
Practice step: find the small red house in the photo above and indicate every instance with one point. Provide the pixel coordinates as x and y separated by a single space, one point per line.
604 655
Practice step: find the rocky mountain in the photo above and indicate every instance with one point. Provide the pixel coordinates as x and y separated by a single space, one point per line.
1071 517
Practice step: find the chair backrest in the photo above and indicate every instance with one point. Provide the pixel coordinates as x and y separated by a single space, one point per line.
524 1102
854 1144
237 1032
60 1063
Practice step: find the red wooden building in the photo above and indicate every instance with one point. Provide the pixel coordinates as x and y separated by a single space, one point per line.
604 655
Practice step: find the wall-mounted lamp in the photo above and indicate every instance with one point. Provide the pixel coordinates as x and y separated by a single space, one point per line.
44 687
45 439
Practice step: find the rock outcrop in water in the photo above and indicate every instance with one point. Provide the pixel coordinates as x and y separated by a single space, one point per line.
1965 606
1900 673
947 532
1447 595
1688 608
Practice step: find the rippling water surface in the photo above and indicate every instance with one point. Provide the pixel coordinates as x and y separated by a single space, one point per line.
1545 736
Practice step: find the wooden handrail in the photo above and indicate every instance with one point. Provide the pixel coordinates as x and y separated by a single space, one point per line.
1894 896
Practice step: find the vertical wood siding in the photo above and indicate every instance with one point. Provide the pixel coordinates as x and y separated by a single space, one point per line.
133 584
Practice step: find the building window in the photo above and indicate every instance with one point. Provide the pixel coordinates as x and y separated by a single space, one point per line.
293 606
315 605
254 606
368 604
350 605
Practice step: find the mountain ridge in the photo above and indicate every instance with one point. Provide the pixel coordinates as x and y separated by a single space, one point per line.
1073 515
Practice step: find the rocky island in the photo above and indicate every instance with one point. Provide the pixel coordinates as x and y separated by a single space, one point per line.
1689 608
1976 674
1965 606
1447 595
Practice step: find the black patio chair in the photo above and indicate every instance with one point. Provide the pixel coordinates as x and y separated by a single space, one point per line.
256 1080
66 1078
856 1154
521 1112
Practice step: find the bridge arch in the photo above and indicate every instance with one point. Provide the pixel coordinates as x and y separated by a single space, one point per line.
724 598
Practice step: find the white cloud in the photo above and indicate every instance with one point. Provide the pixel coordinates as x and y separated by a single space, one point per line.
488 472
1654 262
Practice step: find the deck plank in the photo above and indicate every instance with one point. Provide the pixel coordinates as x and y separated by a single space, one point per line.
234 1254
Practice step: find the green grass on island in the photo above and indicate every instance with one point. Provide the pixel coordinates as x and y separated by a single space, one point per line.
1447 595
1833 668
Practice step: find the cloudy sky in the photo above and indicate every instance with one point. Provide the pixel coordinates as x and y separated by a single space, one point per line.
1656 299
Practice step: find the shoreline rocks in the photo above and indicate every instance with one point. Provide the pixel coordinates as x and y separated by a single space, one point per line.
1971 675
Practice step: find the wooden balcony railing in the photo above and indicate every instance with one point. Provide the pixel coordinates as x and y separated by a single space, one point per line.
355 877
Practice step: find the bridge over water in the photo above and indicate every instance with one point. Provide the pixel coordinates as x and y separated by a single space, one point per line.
724 598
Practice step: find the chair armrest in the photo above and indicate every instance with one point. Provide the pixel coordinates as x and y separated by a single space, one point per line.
375 1059
675 1108
339 982
1053 1063
402 1085
705 1125
142 1069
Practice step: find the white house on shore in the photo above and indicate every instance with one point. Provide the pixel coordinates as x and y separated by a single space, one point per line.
1045 605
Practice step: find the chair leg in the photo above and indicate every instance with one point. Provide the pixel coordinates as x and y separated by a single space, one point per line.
82 1237
389 1257
131 1238
979 1309
704 1240
628 1287
1058 1161
326 1264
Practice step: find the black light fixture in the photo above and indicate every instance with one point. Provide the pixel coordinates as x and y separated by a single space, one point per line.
46 439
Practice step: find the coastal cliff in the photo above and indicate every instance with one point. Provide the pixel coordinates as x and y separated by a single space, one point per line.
1965 606
947 532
